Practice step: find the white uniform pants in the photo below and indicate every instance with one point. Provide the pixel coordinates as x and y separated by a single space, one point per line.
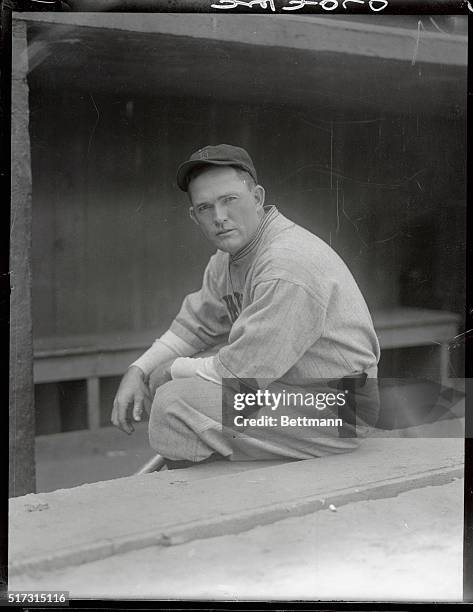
186 424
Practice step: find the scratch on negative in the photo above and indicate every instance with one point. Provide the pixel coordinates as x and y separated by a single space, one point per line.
462 334
416 49
338 213
436 26
357 229
387 239
95 125
12 223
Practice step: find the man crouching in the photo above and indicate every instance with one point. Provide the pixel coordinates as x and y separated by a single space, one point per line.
278 309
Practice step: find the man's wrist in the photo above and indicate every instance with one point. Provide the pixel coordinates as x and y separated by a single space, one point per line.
136 369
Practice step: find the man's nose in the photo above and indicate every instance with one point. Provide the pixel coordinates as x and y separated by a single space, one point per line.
220 214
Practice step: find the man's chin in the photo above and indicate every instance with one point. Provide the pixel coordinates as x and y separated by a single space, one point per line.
229 244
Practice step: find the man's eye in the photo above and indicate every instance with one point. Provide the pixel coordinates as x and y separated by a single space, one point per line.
230 198
202 208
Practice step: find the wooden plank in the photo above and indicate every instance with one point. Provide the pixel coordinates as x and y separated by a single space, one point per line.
22 425
77 367
79 343
416 335
402 316
314 34
111 354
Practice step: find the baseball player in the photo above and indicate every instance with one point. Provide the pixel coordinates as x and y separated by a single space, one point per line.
277 307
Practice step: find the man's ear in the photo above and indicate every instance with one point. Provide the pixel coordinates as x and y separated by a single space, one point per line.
259 196
192 215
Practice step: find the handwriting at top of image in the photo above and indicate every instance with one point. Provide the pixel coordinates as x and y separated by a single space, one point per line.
296 5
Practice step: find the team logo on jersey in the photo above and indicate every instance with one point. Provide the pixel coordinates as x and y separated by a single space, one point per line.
233 303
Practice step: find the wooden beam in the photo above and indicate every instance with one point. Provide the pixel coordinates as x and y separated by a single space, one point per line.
321 34
22 424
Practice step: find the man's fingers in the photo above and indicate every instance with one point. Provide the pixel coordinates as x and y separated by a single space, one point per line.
147 402
120 417
138 409
114 417
132 398
125 425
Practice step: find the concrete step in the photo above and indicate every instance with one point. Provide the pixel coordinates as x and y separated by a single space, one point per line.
74 458
407 548
94 521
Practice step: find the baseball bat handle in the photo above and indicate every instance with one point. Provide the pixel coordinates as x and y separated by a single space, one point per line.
155 464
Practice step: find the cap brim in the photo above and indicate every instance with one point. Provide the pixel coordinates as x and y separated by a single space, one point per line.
187 166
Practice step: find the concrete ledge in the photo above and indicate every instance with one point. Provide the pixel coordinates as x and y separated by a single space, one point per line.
67 527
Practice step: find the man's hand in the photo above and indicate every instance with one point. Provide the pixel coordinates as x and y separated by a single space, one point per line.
159 376
132 398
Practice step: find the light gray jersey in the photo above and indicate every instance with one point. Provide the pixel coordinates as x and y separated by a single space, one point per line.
287 306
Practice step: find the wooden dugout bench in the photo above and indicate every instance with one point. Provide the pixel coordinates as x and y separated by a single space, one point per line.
92 357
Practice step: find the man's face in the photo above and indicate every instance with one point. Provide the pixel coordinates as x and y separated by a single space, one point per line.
226 207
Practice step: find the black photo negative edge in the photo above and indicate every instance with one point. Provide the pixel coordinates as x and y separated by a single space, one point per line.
433 7
468 503
5 191
325 7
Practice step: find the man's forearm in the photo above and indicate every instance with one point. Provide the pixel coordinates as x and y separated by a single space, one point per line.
163 351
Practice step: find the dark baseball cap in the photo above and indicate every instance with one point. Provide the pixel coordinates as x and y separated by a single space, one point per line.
216 155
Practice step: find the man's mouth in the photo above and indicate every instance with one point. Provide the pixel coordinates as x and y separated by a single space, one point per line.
225 232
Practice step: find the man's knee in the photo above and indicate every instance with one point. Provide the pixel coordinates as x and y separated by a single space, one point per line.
174 414
176 421
162 417
165 400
